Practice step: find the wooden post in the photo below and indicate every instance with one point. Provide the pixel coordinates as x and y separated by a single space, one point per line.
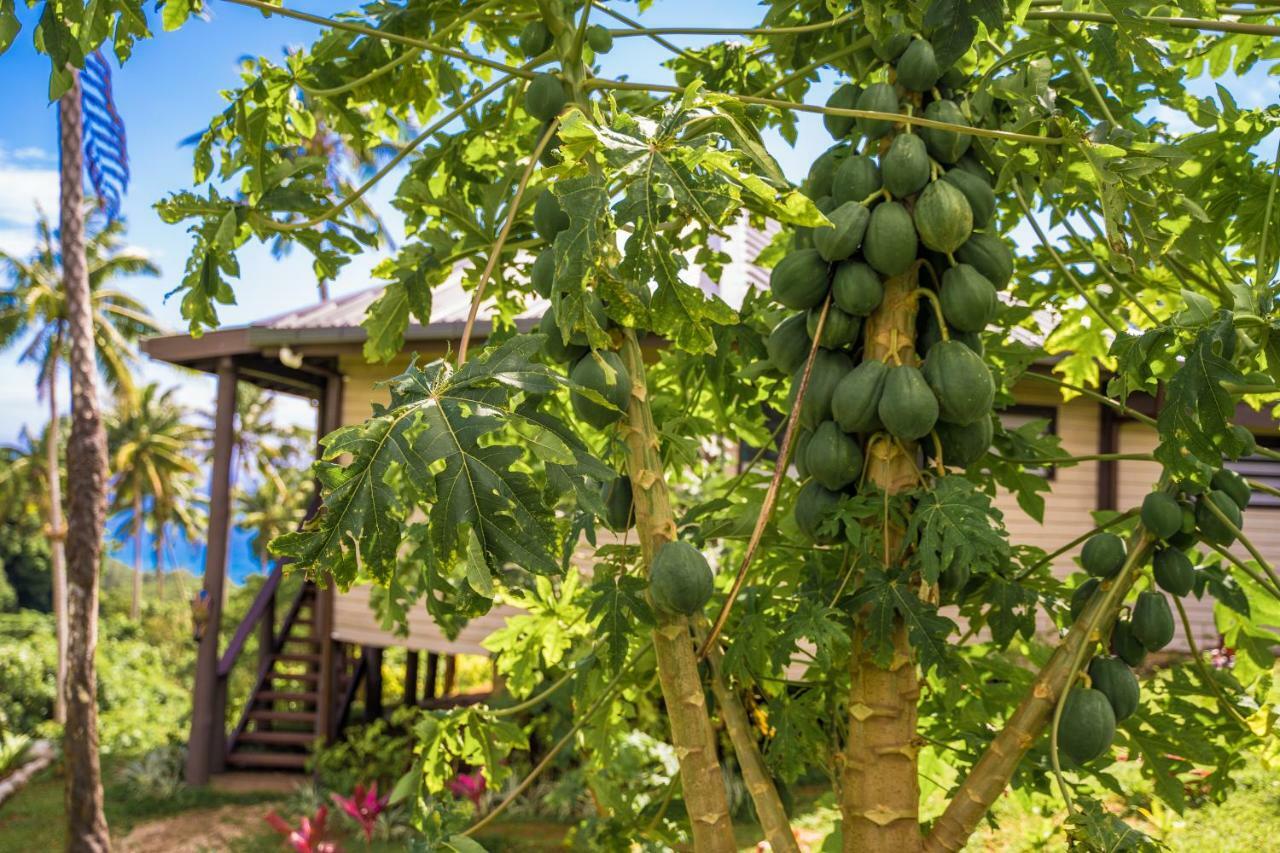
330 417
372 683
206 750
1108 469
411 678
433 676
450 675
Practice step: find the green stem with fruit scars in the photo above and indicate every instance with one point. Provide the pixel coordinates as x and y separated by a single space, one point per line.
1093 395
1082 538
1245 541
1209 680
988 778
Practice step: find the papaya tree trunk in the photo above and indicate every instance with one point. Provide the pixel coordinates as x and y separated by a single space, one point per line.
702 783
57 542
87 500
879 782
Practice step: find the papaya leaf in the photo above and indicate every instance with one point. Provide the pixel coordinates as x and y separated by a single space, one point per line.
619 607
1198 411
955 524
884 601
1095 828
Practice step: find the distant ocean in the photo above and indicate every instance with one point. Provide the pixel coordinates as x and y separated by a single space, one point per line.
181 554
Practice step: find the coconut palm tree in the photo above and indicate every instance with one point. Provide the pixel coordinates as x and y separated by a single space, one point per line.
25 495
34 316
154 454
275 507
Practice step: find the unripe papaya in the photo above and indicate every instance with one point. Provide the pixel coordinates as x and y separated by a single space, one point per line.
1161 514
891 47
1087 725
545 97
798 452
599 39
1186 536
555 346
1212 529
969 164
829 367
969 301
907 408
833 457
680 580
878 97
843 236
845 97
961 382
1103 555
962 445
917 68
905 166
1245 440
946 146
981 198
1081 596
856 179
549 219
801 279
840 330
1173 571
890 242
1112 677
856 288
788 344
1152 620
942 217
822 172
989 255
604 373
1233 485
928 334
815 505
535 39
1125 645
542 274
856 399
617 500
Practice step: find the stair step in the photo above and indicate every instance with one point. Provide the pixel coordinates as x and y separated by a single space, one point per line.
278 738
285 696
276 674
283 760
297 657
283 716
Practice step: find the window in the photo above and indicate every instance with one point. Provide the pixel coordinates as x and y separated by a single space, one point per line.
1262 469
1017 416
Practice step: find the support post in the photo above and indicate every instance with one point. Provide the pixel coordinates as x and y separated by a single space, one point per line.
450 675
206 752
411 678
372 683
433 676
1108 469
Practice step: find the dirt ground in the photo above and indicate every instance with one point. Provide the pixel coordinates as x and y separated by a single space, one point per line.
195 832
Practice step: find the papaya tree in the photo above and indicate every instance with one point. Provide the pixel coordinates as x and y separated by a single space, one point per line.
846 602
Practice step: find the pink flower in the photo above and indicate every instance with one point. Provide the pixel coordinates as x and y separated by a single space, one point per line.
469 785
308 837
363 806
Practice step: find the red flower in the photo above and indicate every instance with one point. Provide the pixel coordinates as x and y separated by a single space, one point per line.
363 806
469 785
308 837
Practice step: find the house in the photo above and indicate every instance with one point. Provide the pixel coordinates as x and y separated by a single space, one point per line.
323 646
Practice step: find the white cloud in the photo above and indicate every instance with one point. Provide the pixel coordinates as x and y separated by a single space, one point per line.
26 187
31 152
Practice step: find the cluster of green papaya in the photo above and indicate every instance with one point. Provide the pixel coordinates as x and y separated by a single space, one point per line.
904 202
546 95
1178 521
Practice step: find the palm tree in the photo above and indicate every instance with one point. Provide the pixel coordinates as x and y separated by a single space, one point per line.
34 314
154 457
25 490
274 508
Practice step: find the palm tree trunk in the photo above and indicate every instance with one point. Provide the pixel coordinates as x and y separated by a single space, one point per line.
86 505
135 604
159 551
57 536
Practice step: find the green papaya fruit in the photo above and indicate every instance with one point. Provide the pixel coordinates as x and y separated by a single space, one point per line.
829 367
841 329
550 155
555 346
907 408
1186 536
928 334
969 301
856 179
1212 529
1161 514
801 279
1244 440
549 219
833 457
542 274
942 217
981 198
1173 571
845 97
989 255
1112 677
953 78
917 68
961 382
1152 620
946 146
905 168
618 510
1230 482
1087 725
856 399
891 47
856 288
822 172
603 373
1103 555
599 39
843 236
970 164
890 242
881 98
545 97
804 233
680 580
798 451
1081 596
963 445
535 39
1125 645
815 505
788 344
